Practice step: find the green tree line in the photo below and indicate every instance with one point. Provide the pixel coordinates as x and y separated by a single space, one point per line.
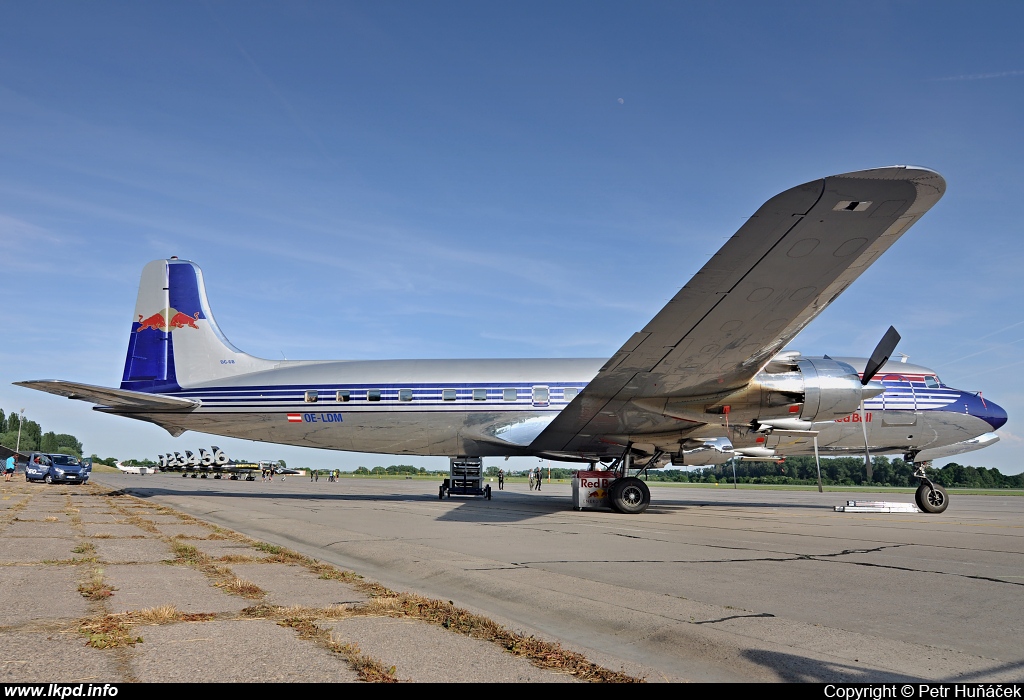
33 439
842 471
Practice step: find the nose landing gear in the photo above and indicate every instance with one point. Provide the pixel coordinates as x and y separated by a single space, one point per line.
930 497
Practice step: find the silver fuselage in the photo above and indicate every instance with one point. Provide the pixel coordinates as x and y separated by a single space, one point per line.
496 408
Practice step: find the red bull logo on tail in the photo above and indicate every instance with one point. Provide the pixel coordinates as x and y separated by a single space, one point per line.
168 320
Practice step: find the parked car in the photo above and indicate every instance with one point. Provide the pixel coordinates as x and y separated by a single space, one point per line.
55 469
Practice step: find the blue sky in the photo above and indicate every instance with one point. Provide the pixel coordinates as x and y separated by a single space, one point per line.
406 179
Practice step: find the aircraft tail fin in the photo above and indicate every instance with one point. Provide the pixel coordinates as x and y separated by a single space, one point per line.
174 341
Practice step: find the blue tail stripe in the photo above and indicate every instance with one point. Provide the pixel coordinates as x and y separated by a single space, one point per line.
183 289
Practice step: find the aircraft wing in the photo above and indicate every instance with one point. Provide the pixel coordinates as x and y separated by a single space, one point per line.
787 263
120 399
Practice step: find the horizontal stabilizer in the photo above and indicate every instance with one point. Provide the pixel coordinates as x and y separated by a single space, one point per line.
122 399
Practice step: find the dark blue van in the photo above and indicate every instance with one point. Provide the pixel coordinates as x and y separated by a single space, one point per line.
55 469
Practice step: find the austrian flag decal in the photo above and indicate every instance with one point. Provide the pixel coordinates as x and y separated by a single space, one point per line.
294 417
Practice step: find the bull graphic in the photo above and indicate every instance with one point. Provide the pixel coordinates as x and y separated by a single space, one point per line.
159 321
181 320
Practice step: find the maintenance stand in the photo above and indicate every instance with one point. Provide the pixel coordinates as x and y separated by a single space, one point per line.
465 478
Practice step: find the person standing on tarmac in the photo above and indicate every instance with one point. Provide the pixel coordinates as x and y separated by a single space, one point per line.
501 479
539 479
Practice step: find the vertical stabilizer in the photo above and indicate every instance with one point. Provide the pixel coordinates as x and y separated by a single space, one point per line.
174 342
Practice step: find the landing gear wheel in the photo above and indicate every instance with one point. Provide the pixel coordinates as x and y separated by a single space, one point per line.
931 498
487 492
630 495
440 493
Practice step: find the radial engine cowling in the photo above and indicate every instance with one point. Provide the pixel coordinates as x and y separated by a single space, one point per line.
832 389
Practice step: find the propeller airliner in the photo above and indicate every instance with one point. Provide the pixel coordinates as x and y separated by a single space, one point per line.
706 380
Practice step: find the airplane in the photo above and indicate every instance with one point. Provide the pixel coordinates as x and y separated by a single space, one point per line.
706 380
205 463
133 469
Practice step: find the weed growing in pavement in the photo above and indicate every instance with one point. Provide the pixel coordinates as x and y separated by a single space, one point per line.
246 589
94 587
108 632
370 670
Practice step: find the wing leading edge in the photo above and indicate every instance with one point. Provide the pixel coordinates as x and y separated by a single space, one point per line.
784 266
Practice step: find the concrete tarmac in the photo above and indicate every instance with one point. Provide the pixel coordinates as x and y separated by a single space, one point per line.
100 587
707 585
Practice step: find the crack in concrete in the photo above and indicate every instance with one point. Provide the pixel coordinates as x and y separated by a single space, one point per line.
732 617
824 558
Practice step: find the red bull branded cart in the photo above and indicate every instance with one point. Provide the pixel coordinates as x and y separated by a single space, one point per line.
590 489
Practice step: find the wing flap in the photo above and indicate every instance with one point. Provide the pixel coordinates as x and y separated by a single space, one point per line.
784 266
120 399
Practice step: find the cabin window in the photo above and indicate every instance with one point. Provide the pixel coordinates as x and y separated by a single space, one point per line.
373 394
342 396
479 394
931 382
312 396
405 394
448 394
509 394
570 393
540 396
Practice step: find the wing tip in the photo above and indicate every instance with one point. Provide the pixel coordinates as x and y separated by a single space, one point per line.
913 173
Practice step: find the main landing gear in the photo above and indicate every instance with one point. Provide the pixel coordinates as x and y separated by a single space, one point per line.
930 497
629 494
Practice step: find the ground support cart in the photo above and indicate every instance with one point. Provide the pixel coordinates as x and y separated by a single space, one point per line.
465 478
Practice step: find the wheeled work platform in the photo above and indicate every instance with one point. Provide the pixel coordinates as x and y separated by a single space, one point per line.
465 478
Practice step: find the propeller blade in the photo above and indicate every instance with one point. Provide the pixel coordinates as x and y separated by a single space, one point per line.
817 462
881 354
867 450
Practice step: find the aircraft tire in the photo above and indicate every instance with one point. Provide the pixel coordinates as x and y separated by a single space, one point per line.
931 498
630 495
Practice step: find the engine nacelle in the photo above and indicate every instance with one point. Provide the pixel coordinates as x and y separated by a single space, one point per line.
832 389
826 389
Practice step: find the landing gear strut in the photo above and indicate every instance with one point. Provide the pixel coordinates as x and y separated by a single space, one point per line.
628 494
930 497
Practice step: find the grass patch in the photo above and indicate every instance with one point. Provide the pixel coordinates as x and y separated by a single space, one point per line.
188 554
156 616
109 632
94 587
325 571
370 670
165 614
246 589
51 519
239 559
543 654
268 548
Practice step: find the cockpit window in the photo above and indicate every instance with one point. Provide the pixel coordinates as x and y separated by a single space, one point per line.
931 382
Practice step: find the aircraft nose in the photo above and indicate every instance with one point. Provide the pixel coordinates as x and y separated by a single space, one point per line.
989 411
994 415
